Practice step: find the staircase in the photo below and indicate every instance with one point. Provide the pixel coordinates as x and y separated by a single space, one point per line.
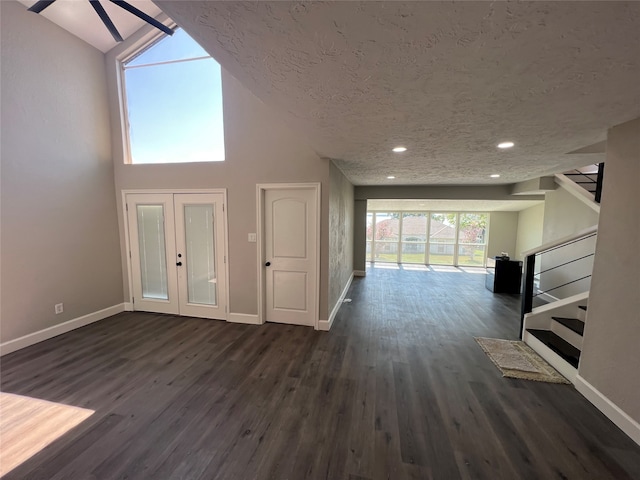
589 178
555 332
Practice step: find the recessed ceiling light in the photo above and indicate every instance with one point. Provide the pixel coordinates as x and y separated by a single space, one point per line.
495 175
504 145
391 177
400 149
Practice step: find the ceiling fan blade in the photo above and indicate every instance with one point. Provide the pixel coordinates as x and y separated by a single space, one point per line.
97 6
40 6
140 14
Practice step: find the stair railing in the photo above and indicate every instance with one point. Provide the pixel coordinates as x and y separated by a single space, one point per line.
590 181
568 263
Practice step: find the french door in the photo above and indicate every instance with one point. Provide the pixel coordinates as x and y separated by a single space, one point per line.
177 252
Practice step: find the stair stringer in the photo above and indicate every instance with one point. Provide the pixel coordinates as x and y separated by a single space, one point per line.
540 319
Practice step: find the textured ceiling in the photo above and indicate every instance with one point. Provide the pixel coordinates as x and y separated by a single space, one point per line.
79 18
447 80
452 205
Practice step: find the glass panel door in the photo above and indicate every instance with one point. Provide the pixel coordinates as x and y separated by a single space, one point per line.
442 238
152 244
200 239
200 254
386 236
472 239
414 237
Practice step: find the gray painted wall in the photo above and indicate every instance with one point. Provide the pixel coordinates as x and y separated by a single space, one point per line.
59 225
610 360
260 148
360 235
341 230
565 215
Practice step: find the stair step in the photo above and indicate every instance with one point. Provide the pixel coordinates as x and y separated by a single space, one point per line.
564 349
582 307
572 324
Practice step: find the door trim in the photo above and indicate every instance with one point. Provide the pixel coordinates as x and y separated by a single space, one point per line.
127 238
261 188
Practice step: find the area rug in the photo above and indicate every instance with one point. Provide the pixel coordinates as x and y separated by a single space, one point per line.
517 360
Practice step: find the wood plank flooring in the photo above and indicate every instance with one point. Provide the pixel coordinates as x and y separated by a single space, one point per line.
397 390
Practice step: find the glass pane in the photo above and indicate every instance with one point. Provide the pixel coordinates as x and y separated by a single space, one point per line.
179 46
413 252
369 226
386 252
442 238
368 256
200 254
387 226
473 228
471 255
414 227
153 258
175 112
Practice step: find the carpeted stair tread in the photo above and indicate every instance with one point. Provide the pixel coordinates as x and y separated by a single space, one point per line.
572 324
567 351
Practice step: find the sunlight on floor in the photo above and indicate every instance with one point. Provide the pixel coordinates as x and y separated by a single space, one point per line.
422 268
427 268
445 268
27 425
477 270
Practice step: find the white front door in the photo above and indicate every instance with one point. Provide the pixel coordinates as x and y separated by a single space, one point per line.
290 254
177 253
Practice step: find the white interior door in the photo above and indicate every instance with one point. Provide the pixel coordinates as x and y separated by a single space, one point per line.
199 256
177 244
290 251
152 244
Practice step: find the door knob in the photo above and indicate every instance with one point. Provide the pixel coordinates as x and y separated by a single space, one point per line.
268 264
179 264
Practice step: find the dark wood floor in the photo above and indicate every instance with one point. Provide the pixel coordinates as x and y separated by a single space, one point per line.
397 390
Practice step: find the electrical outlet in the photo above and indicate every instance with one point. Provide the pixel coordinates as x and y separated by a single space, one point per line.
252 237
59 308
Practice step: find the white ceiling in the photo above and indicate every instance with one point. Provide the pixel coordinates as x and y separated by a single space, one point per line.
79 18
449 80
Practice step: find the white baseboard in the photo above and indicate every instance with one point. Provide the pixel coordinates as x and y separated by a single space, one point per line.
627 424
244 318
359 273
54 331
128 307
325 325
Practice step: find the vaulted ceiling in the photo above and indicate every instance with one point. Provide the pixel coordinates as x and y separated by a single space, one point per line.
447 80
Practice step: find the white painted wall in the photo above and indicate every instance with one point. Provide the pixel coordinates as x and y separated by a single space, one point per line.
260 148
610 361
59 225
530 228
503 228
565 215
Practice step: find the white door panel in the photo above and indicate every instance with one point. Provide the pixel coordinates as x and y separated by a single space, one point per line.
199 232
177 253
290 220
